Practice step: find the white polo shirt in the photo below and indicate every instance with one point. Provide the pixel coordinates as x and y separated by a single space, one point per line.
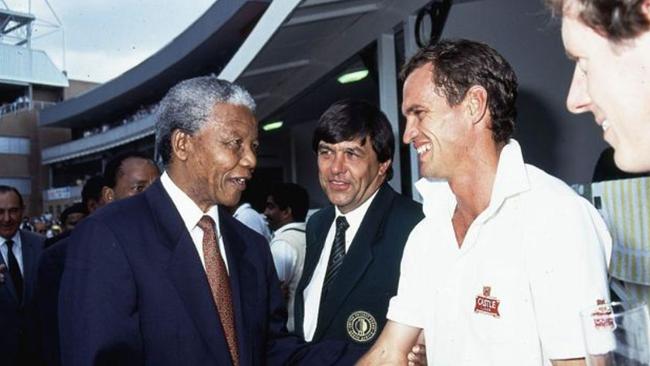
511 295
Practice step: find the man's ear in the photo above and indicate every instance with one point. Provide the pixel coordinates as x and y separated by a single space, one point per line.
645 9
108 195
181 142
476 103
287 214
383 167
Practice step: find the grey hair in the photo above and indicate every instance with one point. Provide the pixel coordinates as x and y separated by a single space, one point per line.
189 104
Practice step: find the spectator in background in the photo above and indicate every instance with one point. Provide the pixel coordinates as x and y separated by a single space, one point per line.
128 174
247 215
40 226
72 215
91 200
125 175
91 193
20 250
286 209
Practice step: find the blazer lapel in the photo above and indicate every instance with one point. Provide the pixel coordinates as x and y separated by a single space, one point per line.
29 264
316 236
357 259
186 272
316 244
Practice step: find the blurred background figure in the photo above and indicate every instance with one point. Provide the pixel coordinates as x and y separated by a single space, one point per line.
286 209
124 176
20 250
247 215
72 215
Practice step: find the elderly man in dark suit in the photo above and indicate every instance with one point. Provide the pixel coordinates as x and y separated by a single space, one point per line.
354 247
18 263
168 277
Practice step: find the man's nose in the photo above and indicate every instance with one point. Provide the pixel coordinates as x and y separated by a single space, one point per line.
578 99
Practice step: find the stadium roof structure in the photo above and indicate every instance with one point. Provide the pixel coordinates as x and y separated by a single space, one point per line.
203 48
23 66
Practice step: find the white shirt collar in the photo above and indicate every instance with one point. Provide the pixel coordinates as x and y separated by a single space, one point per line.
355 216
511 178
15 239
189 211
291 225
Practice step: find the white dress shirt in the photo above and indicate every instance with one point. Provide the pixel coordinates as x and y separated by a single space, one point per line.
312 292
191 214
17 250
248 216
288 250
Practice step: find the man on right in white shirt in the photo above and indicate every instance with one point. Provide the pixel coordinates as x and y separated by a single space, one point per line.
507 255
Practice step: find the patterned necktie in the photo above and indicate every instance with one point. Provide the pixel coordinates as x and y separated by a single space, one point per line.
14 270
218 279
336 255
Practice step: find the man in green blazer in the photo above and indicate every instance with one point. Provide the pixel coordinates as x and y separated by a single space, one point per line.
354 246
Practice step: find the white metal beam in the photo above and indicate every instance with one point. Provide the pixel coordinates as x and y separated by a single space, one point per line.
274 16
386 67
317 16
275 68
410 48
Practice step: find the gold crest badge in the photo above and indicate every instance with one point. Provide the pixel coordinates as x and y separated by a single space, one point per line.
361 326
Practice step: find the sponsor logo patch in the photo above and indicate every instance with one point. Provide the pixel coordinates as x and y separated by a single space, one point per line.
603 317
361 326
486 304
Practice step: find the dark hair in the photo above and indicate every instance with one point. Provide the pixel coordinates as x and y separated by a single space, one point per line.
459 65
92 190
7 189
291 195
189 104
114 166
75 208
350 119
618 20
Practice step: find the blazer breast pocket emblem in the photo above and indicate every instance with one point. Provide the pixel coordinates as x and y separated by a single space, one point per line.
361 326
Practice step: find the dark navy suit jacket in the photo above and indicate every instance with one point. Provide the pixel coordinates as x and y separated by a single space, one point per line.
134 292
46 299
369 275
16 328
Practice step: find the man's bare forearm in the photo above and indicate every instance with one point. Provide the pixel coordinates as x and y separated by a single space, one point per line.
392 347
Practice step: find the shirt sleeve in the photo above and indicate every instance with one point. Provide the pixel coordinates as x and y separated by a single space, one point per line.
284 258
567 263
407 306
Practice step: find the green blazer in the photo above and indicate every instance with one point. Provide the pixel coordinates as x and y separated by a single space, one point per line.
356 306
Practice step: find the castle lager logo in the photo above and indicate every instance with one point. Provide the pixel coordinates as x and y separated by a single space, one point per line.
603 316
487 304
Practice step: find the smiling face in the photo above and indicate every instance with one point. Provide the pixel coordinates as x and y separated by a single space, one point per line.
349 172
11 212
612 81
220 157
435 128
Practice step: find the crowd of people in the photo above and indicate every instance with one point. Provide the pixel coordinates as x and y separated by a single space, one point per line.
167 265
